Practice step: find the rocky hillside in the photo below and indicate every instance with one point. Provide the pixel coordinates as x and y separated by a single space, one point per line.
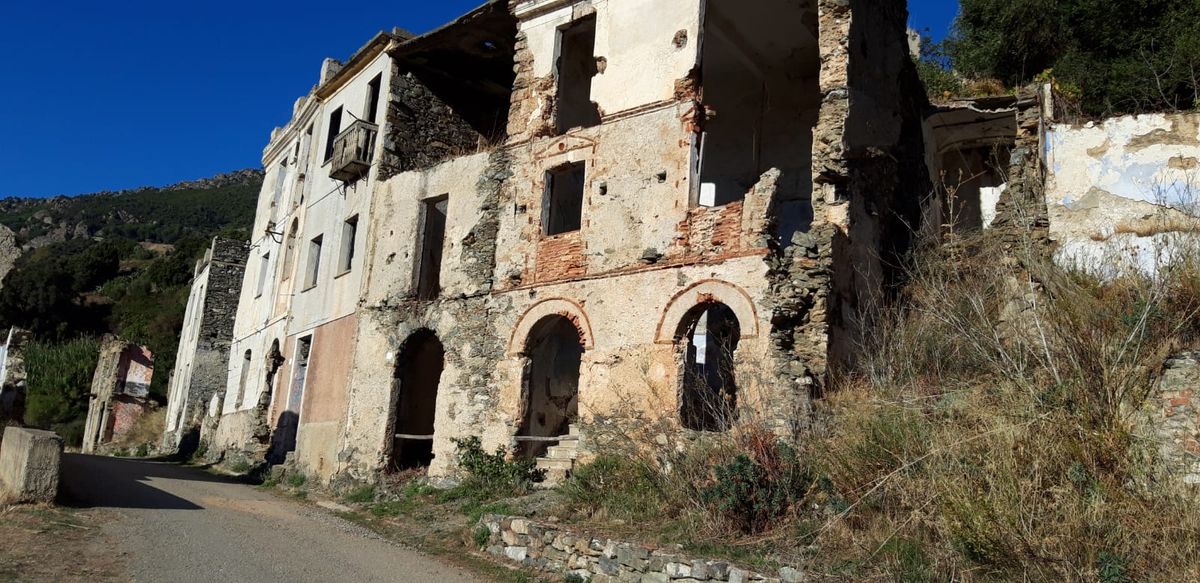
158 215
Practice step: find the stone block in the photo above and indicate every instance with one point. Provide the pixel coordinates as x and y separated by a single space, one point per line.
29 464
655 578
516 553
790 575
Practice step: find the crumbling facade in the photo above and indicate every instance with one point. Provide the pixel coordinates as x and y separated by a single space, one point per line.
120 391
13 377
553 213
202 361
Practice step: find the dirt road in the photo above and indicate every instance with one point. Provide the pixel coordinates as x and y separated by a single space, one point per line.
180 524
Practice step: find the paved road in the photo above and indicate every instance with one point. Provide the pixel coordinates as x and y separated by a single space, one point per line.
181 524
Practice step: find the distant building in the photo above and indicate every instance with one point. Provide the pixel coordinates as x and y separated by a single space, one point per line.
120 391
202 361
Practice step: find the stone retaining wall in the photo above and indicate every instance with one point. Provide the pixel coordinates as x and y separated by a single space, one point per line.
551 549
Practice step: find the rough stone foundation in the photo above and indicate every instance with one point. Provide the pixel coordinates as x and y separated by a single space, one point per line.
550 549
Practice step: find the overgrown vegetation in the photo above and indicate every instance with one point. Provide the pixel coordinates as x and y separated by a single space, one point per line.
489 476
993 432
1116 56
130 277
59 378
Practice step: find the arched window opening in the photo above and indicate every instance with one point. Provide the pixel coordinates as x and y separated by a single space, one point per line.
417 375
708 392
550 384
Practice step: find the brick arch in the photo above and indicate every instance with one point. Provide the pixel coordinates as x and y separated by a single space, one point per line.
709 291
551 307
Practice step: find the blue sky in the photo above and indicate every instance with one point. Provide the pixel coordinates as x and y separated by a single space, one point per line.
106 95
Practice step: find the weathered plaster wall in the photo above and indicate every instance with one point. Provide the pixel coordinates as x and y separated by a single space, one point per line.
1111 187
120 386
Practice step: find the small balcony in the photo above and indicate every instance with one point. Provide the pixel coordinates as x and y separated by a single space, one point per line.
353 150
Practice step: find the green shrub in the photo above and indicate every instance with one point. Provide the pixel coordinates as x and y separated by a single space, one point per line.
483 534
142 450
493 475
753 494
621 487
573 578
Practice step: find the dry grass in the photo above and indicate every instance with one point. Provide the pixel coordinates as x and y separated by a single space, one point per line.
991 434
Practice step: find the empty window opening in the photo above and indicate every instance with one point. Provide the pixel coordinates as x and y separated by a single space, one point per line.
433 236
263 268
549 384
576 68
760 97
563 202
349 237
283 440
280 179
242 379
372 106
335 127
708 392
289 251
314 261
417 374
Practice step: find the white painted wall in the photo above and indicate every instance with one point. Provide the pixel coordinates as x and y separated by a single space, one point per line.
1123 174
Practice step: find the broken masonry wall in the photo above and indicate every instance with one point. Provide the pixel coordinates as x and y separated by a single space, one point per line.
203 357
13 377
868 159
460 318
421 129
1123 190
643 47
120 387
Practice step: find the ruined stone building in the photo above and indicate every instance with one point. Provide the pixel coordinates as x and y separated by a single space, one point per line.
120 391
551 212
13 376
202 361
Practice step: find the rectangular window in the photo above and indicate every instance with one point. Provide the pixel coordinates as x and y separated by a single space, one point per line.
433 236
576 68
562 206
373 98
349 236
262 274
314 261
335 127
280 179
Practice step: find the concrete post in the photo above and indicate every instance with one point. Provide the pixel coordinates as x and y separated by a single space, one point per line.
29 465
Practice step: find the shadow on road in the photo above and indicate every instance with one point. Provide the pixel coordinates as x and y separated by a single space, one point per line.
89 481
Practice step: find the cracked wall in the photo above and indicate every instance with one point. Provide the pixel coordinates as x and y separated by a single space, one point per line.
1122 188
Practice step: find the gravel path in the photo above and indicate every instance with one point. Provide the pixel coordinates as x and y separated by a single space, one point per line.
181 524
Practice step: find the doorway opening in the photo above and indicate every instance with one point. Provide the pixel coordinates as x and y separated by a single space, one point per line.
417 375
549 384
708 391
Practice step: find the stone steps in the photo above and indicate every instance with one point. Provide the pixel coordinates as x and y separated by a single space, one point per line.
560 459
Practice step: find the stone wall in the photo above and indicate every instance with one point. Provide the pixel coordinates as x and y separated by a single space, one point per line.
13 377
422 130
202 364
559 551
1173 413
120 387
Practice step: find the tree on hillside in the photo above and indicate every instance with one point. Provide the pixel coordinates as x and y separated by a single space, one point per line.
1122 56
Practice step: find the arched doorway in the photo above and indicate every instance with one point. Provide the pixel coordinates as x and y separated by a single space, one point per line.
549 384
417 374
708 337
